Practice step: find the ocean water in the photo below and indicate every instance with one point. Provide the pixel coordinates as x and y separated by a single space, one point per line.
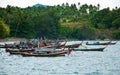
78 63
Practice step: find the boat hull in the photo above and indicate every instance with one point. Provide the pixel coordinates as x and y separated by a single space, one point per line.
93 49
106 43
52 54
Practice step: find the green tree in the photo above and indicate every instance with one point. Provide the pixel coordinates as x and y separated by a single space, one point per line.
4 29
84 9
116 35
99 18
116 23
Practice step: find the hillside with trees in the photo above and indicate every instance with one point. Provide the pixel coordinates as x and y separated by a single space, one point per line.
4 29
61 21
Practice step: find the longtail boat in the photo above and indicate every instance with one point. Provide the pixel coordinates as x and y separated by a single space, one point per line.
52 53
89 49
19 50
100 43
2 46
76 45
6 46
72 46
45 54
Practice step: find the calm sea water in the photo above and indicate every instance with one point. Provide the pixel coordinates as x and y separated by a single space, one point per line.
78 63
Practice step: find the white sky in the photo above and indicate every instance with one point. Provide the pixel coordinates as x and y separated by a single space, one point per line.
26 3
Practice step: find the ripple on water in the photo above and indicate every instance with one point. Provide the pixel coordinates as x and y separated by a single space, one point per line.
78 63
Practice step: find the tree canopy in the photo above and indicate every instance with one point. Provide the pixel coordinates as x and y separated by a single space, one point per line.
61 21
4 29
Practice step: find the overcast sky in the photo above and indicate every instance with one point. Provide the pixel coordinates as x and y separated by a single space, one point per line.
26 3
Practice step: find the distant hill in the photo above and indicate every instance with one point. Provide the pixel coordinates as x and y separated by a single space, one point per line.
39 5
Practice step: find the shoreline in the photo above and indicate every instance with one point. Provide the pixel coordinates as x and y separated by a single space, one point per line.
12 39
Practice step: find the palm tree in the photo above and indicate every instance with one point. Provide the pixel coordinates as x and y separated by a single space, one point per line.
98 6
78 4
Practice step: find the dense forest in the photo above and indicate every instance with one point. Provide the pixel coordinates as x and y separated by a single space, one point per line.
73 21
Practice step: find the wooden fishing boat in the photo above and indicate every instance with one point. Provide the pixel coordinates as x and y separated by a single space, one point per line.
19 50
10 46
72 46
2 46
16 53
46 54
112 43
100 43
12 50
76 45
6 46
27 50
88 49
